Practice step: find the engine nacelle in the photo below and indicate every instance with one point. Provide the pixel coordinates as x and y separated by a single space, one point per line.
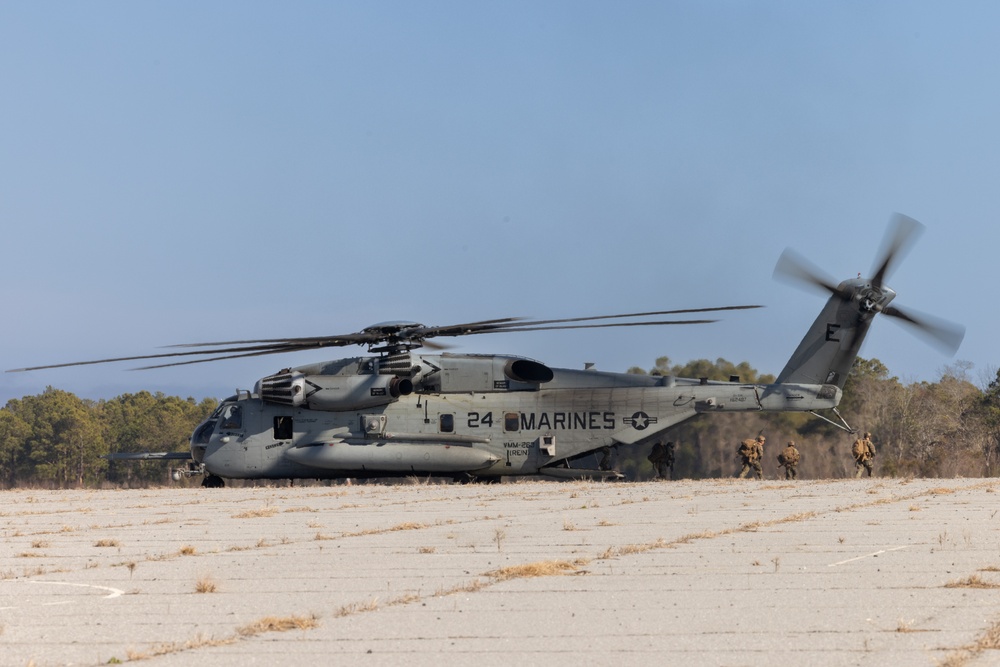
333 393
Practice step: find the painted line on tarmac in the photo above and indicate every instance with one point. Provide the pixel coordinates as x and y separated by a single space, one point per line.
871 555
112 592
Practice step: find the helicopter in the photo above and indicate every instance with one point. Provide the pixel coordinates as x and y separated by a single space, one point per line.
409 408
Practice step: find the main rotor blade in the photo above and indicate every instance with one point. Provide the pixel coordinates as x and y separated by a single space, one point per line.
260 353
517 324
899 237
942 334
237 352
599 326
342 340
395 335
793 268
302 348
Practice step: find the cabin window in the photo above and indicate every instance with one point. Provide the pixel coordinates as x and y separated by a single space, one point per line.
512 421
232 417
283 428
446 423
204 432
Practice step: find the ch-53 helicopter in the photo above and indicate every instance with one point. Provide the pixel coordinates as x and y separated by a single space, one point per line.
406 412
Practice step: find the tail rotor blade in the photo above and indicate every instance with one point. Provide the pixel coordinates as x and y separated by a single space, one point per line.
795 269
942 334
903 231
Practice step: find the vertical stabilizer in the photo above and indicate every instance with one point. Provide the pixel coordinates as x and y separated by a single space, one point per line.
828 350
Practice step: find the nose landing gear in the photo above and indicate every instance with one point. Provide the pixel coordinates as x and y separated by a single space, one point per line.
209 482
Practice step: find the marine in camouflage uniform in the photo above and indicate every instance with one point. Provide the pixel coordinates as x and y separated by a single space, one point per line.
605 462
752 451
864 454
790 459
662 458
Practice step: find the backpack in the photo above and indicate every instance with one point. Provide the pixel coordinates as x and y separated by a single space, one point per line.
747 448
859 449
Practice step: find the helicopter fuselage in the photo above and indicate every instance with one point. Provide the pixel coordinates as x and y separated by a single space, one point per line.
480 416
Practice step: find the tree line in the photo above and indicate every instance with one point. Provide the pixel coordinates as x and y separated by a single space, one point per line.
946 428
57 440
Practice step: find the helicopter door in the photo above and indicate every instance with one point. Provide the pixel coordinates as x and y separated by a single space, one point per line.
253 447
520 453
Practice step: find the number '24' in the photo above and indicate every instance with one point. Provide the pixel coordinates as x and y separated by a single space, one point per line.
476 420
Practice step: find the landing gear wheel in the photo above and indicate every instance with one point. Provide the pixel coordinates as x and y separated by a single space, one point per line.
212 482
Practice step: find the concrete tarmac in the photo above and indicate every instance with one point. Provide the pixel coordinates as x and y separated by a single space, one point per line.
717 572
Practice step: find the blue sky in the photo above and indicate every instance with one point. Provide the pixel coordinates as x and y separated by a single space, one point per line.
176 172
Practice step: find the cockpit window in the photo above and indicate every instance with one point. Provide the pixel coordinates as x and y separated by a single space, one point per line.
204 432
232 417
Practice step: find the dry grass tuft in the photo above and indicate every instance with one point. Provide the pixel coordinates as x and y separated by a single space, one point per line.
276 624
972 581
267 624
198 642
546 568
406 598
187 550
703 535
990 639
470 587
409 525
629 549
356 608
205 585
257 513
106 543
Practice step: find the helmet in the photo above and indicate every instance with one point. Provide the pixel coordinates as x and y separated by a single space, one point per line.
867 434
